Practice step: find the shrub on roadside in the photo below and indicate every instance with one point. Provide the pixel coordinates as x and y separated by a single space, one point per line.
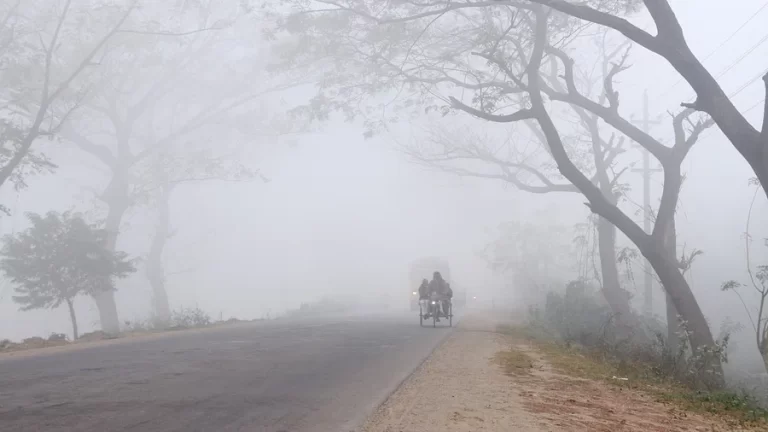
577 335
191 317
578 318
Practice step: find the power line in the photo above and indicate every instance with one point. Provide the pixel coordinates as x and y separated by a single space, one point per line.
748 83
728 39
754 106
735 63
743 56
744 87
749 20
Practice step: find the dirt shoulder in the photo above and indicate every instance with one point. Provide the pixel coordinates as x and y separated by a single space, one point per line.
481 380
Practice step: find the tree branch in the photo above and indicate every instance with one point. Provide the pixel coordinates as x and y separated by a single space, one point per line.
684 144
598 203
205 117
507 177
449 6
764 128
609 114
671 45
99 151
587 13
523 114
672 175
46 98
89 57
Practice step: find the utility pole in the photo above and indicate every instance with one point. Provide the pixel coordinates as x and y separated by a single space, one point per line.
647 171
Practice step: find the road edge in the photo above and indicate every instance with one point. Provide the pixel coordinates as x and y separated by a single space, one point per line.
355 425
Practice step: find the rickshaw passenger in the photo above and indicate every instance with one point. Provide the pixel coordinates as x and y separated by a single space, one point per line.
423 290
438 289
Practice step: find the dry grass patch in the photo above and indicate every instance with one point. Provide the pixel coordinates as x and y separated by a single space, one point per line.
738 411
513 362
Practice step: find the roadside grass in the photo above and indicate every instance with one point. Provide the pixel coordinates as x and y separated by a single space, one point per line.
736 409
513 362
181 320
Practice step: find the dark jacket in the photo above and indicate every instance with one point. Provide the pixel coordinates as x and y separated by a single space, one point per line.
438 286
424 291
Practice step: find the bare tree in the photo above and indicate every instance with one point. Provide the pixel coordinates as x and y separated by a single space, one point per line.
595 155
670 43
758 281
168 171
502 55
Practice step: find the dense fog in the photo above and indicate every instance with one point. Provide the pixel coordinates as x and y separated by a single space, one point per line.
327 213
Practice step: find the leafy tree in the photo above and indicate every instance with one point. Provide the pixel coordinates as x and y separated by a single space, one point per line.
59 258
143 109
48 53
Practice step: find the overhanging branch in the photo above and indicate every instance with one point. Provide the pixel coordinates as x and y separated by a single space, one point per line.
607 113
598 203
523 114
99 151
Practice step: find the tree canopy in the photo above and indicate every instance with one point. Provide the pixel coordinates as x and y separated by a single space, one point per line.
57 258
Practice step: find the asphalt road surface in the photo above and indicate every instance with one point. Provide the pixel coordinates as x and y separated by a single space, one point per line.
310 376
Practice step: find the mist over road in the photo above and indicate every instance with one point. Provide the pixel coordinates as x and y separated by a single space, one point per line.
308 375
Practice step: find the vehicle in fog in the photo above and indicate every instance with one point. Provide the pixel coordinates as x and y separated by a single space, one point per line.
423 268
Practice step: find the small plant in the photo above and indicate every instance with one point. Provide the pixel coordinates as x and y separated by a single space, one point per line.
57 337
739 406
137 326
192 317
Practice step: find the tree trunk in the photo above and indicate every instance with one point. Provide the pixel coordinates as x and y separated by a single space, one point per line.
650 246
155 270
73 318
653 250
673 325
683 300
116 198
762 173
617 297
629 325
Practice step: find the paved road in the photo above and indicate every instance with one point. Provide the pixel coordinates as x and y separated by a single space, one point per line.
310 376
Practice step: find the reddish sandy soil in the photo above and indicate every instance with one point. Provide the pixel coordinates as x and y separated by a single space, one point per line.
465 387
